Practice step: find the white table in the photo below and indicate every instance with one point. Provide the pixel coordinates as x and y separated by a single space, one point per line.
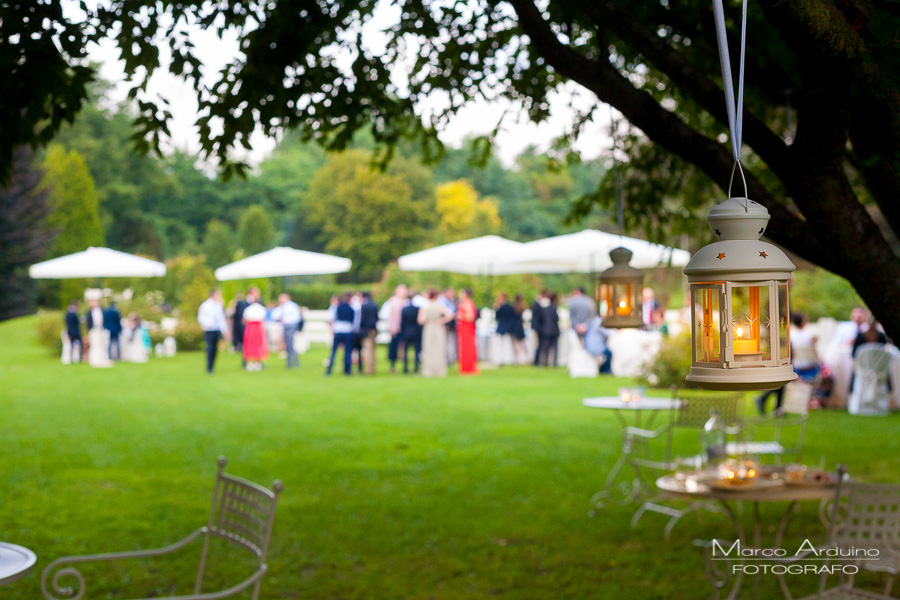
15 562
630 489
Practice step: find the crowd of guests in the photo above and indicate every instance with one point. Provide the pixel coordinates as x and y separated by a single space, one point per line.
849 337
110 338
429 330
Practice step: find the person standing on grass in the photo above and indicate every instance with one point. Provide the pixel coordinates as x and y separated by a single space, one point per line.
368 330
237 323
411 334
211 318
390 312
447 299
112 322
256 346
433 316
73 331
466 315
582 311
291 318
537 326
342 326
549 332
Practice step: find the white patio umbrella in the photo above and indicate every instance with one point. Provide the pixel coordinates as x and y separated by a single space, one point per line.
588 251
486 255
97 262
283 262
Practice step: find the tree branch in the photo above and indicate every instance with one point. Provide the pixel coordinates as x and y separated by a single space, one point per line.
668 130
818 30
695 84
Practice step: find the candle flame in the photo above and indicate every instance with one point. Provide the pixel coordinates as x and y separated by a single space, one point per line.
623 304
751 473
739 332
730 475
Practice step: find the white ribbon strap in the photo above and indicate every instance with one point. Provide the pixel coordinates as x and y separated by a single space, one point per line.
735 110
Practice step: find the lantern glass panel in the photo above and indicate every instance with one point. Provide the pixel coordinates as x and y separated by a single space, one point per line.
707 325
750 333
783 314
622 299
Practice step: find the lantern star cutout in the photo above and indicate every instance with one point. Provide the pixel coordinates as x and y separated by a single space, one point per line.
721 255
763 254
718 232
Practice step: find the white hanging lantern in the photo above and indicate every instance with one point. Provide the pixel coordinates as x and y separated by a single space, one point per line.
621 286
739 304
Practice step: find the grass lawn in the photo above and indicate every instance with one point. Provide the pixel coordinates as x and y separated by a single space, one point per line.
395 487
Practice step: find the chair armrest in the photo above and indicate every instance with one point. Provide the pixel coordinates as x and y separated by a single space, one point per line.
68 592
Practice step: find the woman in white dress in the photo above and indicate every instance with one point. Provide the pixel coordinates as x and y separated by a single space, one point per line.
98 337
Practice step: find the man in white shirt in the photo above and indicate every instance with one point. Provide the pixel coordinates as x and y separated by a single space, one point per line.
291 318
211 318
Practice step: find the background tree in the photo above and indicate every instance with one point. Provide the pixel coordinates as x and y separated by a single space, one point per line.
462 214
218 244
255 233
75 217
654 60
365 214
24 237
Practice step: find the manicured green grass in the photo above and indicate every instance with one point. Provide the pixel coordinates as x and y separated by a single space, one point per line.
395 486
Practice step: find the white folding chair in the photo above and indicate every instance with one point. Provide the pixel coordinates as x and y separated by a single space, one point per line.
870 394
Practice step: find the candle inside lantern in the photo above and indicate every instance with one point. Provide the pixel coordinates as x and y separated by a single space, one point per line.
625 395
623 308
745 349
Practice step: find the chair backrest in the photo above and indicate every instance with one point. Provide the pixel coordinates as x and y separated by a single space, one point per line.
243 512
696 409
873 358
797 395
867 516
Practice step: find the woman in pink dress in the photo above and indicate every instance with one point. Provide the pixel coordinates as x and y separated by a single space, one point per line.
256 347
466 315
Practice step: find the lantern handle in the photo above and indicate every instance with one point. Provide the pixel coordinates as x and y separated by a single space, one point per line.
737 167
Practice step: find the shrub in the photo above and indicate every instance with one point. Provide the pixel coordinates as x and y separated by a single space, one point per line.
48 329
671 365
188 337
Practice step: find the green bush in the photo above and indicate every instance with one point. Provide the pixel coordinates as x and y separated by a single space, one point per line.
671 365
188 337
48 328
820 294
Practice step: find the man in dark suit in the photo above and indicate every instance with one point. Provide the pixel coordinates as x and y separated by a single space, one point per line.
411 334
112 322
368 329
73 331
537 324
237 323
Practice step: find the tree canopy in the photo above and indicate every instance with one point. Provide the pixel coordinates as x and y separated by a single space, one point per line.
826 67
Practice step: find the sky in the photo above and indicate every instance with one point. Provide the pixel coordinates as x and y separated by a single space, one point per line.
480 117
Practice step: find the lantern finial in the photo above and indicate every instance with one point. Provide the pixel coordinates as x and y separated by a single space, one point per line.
738 219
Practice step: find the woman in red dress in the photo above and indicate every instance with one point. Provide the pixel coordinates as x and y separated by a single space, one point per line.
466 314
256 347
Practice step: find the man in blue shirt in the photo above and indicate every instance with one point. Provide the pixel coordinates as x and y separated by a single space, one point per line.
342 326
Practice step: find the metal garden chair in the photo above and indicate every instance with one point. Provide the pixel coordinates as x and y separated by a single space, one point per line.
653 450
861 516
780 433
241 514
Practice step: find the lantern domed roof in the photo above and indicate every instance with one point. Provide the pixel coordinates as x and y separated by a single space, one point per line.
739 254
